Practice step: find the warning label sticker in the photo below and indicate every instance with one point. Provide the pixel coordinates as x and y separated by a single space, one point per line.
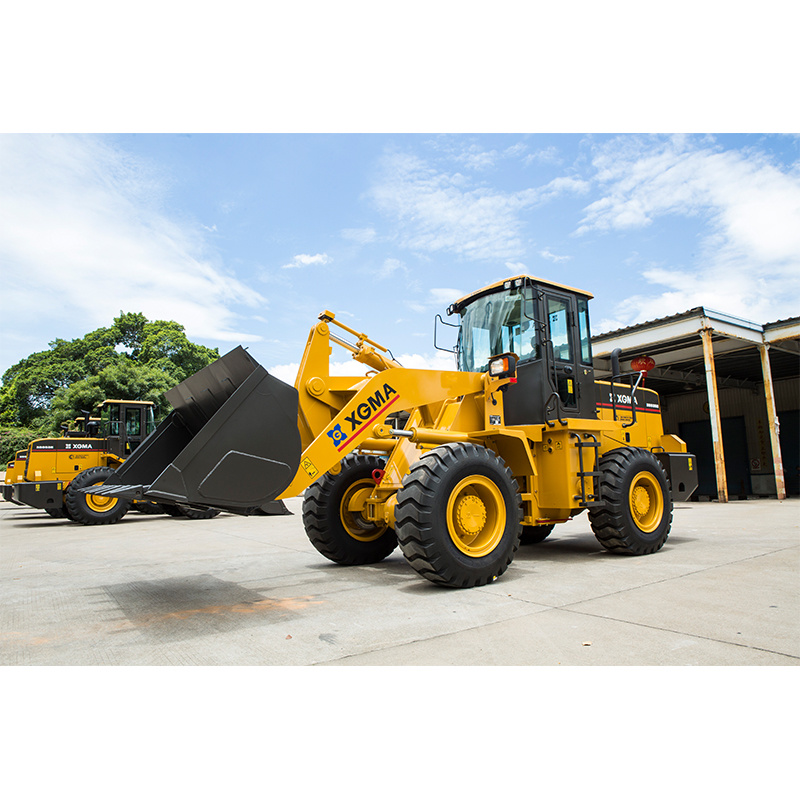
310 469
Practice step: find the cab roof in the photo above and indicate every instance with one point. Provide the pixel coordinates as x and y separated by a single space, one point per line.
507 283
128 402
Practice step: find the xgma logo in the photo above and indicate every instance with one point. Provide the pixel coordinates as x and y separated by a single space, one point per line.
337 434
369 409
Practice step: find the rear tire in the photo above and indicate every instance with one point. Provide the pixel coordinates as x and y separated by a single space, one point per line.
56 513
338 532
93 509
533 534
636 514
458 516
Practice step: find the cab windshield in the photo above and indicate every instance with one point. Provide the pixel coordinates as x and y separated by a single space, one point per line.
496 324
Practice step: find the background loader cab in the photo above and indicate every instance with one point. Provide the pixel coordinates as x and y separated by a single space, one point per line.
125 424
546 326
85 425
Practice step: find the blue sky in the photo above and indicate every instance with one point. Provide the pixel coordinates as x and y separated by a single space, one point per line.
245 238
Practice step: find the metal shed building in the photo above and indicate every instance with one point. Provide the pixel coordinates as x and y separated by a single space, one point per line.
729 388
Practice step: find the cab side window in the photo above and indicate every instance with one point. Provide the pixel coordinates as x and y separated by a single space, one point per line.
583 329
133 425
558 323
114 421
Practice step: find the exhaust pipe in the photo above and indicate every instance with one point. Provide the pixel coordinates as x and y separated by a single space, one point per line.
231 442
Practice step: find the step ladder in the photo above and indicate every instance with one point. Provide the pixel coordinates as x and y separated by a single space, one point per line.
588 499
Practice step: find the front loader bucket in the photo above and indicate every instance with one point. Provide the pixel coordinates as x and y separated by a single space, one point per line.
231 442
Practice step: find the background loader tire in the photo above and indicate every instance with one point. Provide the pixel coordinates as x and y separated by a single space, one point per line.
533 534
190 513
636 514
458 516
147 507
56 513
93 509
337 532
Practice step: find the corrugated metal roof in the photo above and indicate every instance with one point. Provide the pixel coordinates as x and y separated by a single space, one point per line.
781 322
692 312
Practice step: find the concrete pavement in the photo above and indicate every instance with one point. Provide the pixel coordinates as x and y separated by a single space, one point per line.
153 590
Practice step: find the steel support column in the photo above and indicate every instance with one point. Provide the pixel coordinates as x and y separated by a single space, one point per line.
713 412
772 420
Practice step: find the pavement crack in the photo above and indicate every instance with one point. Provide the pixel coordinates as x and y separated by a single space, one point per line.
680 633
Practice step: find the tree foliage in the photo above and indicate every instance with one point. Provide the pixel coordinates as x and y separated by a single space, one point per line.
133 359
12 440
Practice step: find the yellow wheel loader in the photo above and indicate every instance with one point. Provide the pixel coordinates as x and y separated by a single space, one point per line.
15 471
456 466
56 469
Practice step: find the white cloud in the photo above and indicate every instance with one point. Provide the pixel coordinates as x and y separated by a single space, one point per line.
515 150
305 260
360 235
82 237
474 157
438 360
435 211
548 155
390 267
436 298
552 257
288 372
748 261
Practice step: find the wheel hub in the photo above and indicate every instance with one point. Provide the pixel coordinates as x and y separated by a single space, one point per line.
476 516
471 514
99 503
646 502
351 512
641 501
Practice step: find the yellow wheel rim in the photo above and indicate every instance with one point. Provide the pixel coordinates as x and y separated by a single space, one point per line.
351 512
646 502
100 504
476 516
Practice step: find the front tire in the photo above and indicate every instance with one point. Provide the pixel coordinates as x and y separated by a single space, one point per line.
458 516
332 519
92 509
636 514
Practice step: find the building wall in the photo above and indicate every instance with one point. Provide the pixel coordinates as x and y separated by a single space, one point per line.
746 403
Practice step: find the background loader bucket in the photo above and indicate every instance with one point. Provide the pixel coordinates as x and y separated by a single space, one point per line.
231 442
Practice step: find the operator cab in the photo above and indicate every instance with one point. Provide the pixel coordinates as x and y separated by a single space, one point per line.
125 424
85 425
546 326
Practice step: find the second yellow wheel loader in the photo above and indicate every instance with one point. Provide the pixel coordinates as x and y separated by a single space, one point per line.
457 467
55 470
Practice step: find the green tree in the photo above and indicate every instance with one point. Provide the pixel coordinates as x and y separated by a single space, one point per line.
13 439
132 359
